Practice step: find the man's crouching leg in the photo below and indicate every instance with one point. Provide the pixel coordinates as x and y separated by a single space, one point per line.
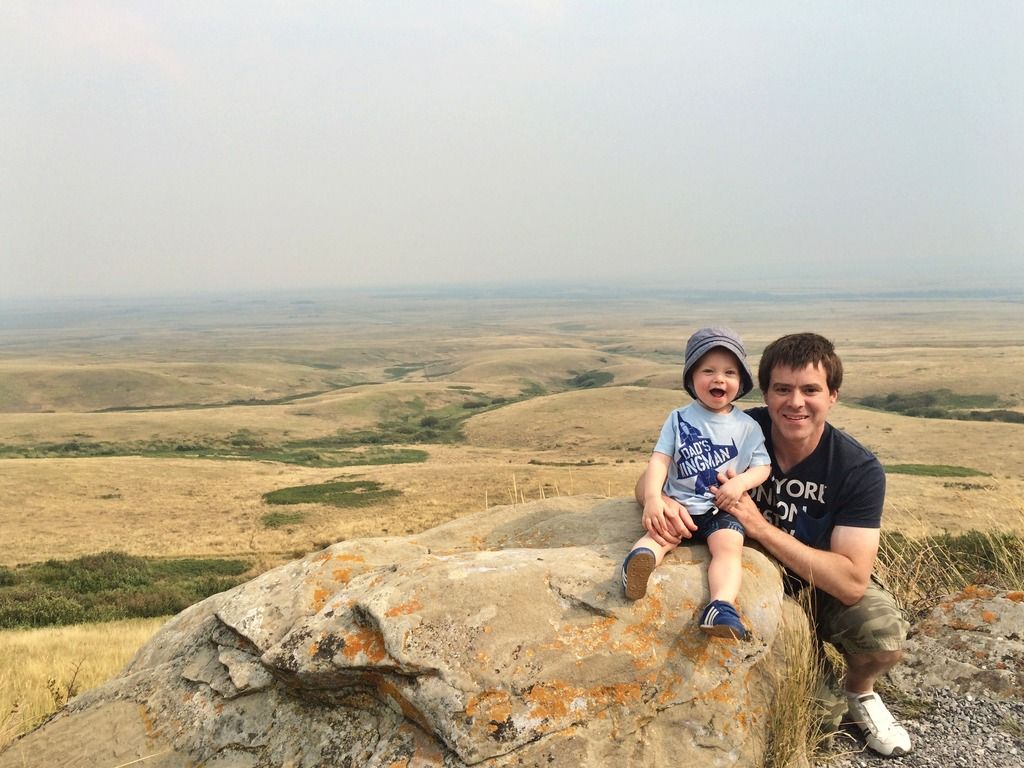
870 634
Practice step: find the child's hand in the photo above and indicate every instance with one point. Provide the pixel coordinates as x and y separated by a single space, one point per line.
728 493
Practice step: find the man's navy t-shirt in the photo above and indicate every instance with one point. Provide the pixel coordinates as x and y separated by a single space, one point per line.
840 483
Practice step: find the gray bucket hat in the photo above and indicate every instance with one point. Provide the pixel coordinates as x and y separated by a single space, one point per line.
706 339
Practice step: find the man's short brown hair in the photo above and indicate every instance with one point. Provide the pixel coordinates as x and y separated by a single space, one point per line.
797 351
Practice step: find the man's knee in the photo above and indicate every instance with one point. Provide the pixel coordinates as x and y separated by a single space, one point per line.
874 663
873 628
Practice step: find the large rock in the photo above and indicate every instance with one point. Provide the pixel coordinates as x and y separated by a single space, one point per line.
499 639
971 642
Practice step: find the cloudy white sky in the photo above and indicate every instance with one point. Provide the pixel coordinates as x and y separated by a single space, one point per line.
154 147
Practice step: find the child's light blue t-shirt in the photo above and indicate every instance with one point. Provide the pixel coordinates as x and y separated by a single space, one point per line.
701 444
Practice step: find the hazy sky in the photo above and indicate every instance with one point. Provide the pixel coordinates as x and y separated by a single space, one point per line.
168 146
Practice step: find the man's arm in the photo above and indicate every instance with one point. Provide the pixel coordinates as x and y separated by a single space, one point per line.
729 492
842 571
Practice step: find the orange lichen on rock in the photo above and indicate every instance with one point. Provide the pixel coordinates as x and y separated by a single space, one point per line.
366 642
722 694
147 720
555 700
345 558
426 752
404 609
989 616
492 707
386 688
973 590
582 639
320 596
962 624
1017 597
342 575
550 700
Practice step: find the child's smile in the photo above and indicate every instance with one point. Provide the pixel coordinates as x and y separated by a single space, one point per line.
716 380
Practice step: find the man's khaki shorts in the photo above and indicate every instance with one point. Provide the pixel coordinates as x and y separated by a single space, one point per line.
873 623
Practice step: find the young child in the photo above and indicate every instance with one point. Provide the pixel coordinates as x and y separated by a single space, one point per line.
697 443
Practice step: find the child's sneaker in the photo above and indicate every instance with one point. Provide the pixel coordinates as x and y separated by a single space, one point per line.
636 570
881 731
719 618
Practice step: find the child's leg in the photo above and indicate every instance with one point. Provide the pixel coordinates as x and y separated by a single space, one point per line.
646 542
726 569
643 558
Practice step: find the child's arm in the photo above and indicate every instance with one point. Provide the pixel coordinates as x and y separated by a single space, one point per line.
729 492
666 520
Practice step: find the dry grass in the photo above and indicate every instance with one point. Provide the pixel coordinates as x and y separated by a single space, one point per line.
922 569
39 668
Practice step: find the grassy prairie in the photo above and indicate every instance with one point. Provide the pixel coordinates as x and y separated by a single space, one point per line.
39 668
161 430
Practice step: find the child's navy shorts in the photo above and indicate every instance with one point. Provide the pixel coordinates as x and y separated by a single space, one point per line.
715 520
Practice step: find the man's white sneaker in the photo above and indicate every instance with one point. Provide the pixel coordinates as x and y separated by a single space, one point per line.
881 731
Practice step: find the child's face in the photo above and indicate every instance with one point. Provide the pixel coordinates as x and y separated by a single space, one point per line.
716 380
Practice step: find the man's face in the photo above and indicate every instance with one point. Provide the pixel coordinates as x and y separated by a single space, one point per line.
798 401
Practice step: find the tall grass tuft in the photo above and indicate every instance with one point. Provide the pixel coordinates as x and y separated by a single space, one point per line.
920 570
798 674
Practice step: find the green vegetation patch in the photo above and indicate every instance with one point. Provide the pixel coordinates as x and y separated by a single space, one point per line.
532 389
337 493
415 424
281 519
589 379
934 470
324 453
399 371
330 451
943 404
109 586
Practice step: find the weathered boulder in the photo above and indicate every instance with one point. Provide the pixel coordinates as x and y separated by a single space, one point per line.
499 639
971 642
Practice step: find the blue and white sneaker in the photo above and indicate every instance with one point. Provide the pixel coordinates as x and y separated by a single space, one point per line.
636 570
719 618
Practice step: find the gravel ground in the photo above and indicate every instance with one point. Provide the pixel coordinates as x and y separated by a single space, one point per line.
949 730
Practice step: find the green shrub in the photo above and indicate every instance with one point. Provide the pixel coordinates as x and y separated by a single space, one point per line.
195 567
943 404
95 573
7 577
35 608
111 585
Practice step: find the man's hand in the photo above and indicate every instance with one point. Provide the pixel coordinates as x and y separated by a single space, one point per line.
728 492
667 521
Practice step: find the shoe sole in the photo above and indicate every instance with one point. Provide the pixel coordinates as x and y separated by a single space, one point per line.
638 571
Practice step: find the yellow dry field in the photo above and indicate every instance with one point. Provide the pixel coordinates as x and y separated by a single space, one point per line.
143 378
277 373
39 668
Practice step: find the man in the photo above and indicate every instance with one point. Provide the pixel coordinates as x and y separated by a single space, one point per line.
819 515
